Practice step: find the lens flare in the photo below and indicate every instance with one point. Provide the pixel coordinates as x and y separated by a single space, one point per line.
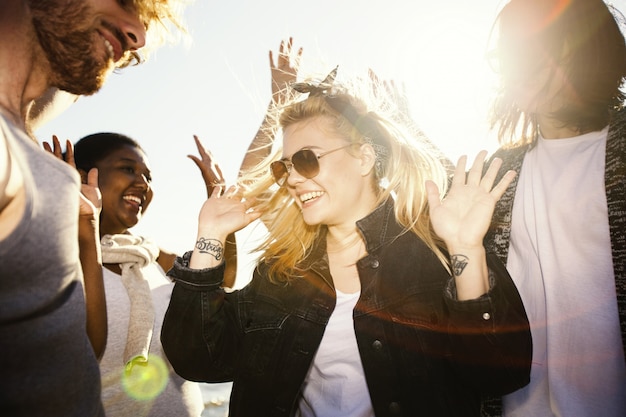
145 380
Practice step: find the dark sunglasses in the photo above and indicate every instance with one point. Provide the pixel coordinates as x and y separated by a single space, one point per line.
305 161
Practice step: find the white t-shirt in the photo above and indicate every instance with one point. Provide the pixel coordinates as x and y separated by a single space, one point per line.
178 397
560 259
335 385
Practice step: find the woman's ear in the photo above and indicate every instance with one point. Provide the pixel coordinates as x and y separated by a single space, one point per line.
368 158
83 176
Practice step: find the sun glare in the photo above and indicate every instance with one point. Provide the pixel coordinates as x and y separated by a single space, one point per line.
449 81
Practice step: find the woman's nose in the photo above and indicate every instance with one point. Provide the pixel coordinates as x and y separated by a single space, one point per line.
293 176
142 181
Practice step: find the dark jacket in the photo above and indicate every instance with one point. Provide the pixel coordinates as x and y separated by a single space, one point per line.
423 353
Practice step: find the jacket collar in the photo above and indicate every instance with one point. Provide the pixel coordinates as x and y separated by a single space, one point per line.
378 228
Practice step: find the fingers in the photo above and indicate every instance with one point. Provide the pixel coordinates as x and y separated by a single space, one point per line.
283 52
92 177
492 172
217 191
69 154
201 149
210 170
500 188
476 178
55 148
476 171
432 192
234 191
271 56
459 172
285 57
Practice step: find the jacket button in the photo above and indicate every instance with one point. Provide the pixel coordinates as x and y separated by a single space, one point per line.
394 408
486 316
374 263
377 345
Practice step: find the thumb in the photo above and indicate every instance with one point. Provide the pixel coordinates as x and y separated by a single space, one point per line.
432 192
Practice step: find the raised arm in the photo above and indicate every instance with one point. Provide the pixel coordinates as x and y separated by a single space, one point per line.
90 253
462 220
212 176
284 70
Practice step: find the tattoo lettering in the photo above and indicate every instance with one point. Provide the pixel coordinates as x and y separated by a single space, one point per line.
210 246
459 262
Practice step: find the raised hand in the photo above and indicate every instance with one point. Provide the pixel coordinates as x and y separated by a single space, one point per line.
210 170
221 215
285 69
90 197
462 218
226 212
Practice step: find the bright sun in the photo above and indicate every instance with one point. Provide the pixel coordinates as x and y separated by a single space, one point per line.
449 81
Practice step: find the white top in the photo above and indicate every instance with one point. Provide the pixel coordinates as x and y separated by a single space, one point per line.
335 385
178 398
560 259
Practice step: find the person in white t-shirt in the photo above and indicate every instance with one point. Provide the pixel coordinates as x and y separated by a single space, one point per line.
561 225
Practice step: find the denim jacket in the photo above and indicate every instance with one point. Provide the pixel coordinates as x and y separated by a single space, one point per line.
423 352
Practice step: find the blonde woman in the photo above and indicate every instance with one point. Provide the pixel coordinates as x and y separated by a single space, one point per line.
356 307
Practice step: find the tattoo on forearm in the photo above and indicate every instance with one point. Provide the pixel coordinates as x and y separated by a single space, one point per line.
459 262
211 247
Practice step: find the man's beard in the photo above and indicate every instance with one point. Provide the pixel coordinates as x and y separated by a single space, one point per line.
66 37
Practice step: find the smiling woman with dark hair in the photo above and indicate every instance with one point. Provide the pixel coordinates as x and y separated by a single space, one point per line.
137 380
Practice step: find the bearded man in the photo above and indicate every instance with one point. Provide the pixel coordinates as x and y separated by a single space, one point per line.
52 309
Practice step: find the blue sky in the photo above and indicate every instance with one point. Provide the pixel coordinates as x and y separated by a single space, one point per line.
218 85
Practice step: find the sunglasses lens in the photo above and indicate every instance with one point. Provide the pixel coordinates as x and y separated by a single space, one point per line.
279 172
306 163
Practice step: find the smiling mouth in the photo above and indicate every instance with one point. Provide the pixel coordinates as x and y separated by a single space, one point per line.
134 200
306 197
109 49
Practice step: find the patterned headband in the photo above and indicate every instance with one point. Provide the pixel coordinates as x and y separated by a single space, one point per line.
365 124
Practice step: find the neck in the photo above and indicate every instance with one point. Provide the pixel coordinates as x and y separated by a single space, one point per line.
22 74
551 128
339 240
104 231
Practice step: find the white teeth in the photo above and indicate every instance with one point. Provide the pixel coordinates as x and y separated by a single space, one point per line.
109 48
309 196
132 198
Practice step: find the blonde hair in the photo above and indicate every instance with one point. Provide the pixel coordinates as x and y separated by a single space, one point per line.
404 163
162 19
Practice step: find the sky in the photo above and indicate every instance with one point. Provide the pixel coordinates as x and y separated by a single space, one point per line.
217 85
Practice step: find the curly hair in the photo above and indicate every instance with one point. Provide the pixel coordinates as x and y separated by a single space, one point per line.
91 149
162 18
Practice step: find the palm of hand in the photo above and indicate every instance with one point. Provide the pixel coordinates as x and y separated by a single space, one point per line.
90 201
464 215
226 213
285 70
